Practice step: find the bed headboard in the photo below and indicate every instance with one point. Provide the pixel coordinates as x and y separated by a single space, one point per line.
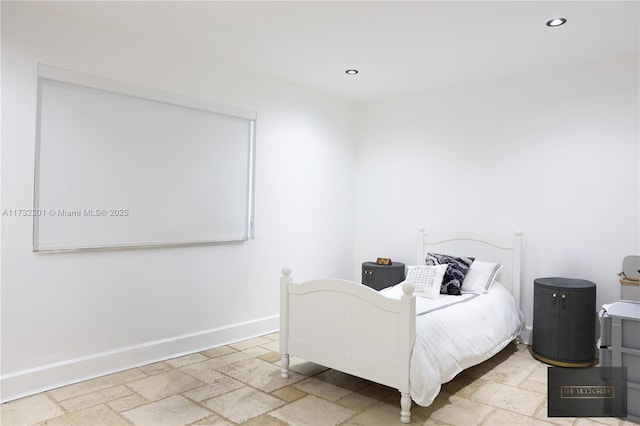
490 248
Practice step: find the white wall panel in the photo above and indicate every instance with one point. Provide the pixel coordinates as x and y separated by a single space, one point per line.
554 154
73 315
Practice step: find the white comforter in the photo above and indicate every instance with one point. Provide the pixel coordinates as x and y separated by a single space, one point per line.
457 332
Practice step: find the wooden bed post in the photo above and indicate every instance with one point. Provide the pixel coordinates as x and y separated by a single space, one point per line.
285 280
420 252
515 273
406 345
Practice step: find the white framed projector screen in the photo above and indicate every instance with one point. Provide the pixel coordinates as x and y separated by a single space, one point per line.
119 165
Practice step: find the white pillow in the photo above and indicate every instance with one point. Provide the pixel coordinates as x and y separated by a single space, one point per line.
426 279
480 277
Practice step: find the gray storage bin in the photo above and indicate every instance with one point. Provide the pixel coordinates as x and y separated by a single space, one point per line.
619 345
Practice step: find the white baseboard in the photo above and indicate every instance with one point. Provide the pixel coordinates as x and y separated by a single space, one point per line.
42 378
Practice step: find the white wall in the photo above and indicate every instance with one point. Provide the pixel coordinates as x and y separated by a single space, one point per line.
554 154
70 316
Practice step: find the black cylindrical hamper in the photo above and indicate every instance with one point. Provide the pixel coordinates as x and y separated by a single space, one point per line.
564 321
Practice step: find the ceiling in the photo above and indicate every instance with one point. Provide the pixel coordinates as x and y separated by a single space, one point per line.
398 47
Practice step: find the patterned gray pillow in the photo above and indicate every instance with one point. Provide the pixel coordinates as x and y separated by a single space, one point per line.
457 270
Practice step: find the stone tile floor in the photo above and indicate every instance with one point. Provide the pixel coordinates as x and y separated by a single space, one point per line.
241 384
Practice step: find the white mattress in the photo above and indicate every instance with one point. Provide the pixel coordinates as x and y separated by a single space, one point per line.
457 332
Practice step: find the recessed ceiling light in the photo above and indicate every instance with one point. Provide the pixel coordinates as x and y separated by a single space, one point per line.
352 72
556 22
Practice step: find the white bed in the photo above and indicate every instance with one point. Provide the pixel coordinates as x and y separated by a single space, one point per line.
349 327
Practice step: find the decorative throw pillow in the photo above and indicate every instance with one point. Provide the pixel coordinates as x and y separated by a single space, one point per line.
457 270
426 279
480 277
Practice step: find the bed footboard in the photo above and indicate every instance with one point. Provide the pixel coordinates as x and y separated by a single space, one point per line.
349 327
